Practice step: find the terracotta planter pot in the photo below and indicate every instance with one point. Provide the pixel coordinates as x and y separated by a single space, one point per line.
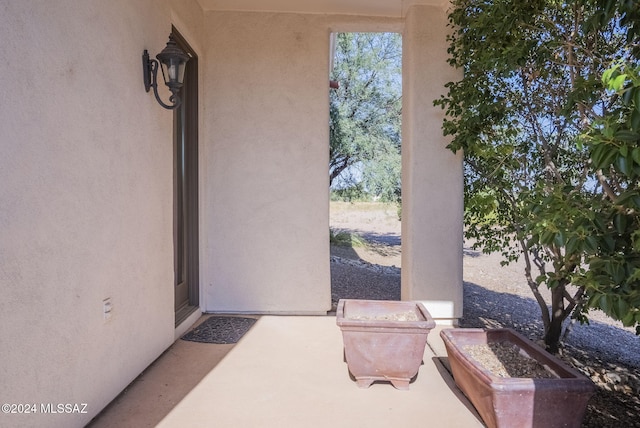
517 402
383 340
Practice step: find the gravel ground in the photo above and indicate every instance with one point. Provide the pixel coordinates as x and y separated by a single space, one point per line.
497 296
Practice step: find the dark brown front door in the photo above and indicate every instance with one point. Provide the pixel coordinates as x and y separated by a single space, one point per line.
185 122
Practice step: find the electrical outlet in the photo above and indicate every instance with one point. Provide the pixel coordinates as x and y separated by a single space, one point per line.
107 308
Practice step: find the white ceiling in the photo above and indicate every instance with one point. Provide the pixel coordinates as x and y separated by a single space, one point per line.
392 8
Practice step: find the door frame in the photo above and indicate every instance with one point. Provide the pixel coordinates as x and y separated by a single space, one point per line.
185 119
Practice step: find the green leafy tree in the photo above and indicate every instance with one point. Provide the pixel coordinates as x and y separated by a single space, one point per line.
549 140
365 113
612 280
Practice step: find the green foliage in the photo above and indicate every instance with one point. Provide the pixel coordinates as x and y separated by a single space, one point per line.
346 239
365 113
546 116
353 193
612 280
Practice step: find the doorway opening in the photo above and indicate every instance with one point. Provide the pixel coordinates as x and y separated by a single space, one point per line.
185 173
365 108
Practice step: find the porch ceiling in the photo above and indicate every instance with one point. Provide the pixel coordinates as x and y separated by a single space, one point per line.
392 8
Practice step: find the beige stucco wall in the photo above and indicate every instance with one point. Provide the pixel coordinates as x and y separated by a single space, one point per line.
266 152
265 159
86 202
431 175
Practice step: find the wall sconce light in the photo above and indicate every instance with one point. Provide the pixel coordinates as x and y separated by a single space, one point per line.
173 61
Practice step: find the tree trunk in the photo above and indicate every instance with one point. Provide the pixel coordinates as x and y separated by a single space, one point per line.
558 315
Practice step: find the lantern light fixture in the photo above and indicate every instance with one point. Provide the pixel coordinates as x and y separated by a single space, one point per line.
172 60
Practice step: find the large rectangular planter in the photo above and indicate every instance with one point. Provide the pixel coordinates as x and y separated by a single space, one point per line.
560 401
383 340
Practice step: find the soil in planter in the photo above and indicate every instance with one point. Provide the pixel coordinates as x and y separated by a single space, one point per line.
507 360
403 316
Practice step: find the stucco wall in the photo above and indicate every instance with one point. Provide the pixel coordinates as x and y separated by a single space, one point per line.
265 159
431 174
86 203
266 153
250 263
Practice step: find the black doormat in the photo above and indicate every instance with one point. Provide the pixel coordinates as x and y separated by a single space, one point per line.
220 330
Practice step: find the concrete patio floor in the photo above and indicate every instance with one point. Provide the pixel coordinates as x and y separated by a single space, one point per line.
287 371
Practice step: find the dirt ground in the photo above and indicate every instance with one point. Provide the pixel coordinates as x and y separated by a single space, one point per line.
376 222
